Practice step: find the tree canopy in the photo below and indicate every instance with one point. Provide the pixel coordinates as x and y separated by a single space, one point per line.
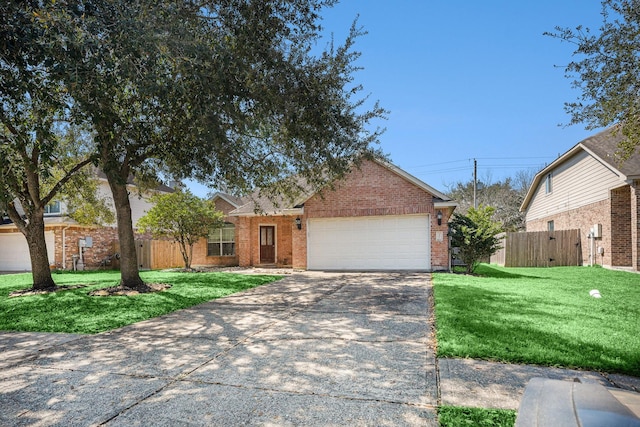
606 70
233 91
505 196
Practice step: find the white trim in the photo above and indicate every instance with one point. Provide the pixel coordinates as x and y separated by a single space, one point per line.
451 204
221 242
283 212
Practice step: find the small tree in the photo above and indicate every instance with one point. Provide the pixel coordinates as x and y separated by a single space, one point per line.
183 217
475 234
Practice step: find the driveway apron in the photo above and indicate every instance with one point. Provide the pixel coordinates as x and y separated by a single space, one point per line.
311 349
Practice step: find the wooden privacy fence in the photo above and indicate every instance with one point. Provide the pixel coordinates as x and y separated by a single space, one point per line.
156 254
540 249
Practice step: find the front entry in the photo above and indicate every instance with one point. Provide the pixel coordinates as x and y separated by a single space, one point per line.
267 244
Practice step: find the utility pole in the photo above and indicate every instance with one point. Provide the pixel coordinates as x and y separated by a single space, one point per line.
475 183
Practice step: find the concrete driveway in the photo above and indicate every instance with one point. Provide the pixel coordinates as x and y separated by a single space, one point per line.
311 349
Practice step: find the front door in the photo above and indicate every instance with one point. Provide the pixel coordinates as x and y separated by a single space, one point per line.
267 244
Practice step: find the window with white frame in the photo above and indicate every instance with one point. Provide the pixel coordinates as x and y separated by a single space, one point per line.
550 226
52 208
222 241
548 185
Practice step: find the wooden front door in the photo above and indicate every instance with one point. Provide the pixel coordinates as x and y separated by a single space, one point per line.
267 244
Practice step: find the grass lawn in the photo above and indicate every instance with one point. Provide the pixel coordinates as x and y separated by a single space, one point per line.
455 416
76 312
541 316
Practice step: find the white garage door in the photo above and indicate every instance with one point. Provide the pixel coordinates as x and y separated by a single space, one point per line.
14 251
369 243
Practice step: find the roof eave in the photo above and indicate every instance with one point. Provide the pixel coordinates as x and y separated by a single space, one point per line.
281 212
446 204
412 179
536 179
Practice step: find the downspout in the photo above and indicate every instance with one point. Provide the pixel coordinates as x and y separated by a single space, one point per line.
591 242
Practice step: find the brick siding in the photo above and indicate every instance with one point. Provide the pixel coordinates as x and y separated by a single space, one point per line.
200 249
583 218
620 222
371 190
621 253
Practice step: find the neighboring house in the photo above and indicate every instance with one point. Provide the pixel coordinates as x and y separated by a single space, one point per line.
377 218
589 189
64 236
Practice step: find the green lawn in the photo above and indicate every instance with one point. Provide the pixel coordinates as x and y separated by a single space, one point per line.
541 316
455 416
76 312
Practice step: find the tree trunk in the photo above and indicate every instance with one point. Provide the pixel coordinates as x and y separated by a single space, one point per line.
185 255
129 274
40 270
33 231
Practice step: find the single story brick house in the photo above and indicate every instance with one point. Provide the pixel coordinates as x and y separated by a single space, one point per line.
378 217
64 236
589 189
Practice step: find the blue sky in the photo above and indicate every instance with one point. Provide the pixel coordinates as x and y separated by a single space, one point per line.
466 79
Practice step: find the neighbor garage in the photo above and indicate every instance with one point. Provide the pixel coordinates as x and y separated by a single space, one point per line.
14 251
395 242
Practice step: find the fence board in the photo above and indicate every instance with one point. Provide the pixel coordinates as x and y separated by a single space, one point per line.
143 253
543 249
165 254
154 254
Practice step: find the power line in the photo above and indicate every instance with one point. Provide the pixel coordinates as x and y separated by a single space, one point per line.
470 160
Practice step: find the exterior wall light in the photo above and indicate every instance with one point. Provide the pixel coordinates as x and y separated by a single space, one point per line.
299 223
439 217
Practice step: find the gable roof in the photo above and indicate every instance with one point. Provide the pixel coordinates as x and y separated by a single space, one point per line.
602 146
234 201
440 199
282 206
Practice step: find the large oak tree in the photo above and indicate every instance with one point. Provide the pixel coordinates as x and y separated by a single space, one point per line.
42 145
234 91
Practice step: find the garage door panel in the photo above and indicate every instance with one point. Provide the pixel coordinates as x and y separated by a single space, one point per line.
369 243
14 251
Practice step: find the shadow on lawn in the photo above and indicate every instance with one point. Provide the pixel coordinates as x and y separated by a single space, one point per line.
491 272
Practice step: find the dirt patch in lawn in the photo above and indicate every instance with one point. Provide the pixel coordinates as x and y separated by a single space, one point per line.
31 291
122 290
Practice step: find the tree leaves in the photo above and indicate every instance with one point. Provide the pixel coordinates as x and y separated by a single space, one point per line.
475 235
607 72
183 217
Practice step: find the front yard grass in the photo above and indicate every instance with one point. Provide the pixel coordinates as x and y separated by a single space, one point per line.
73 311
542 316
456 416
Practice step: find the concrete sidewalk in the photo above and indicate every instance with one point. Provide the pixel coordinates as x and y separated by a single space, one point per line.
311 349
482 384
